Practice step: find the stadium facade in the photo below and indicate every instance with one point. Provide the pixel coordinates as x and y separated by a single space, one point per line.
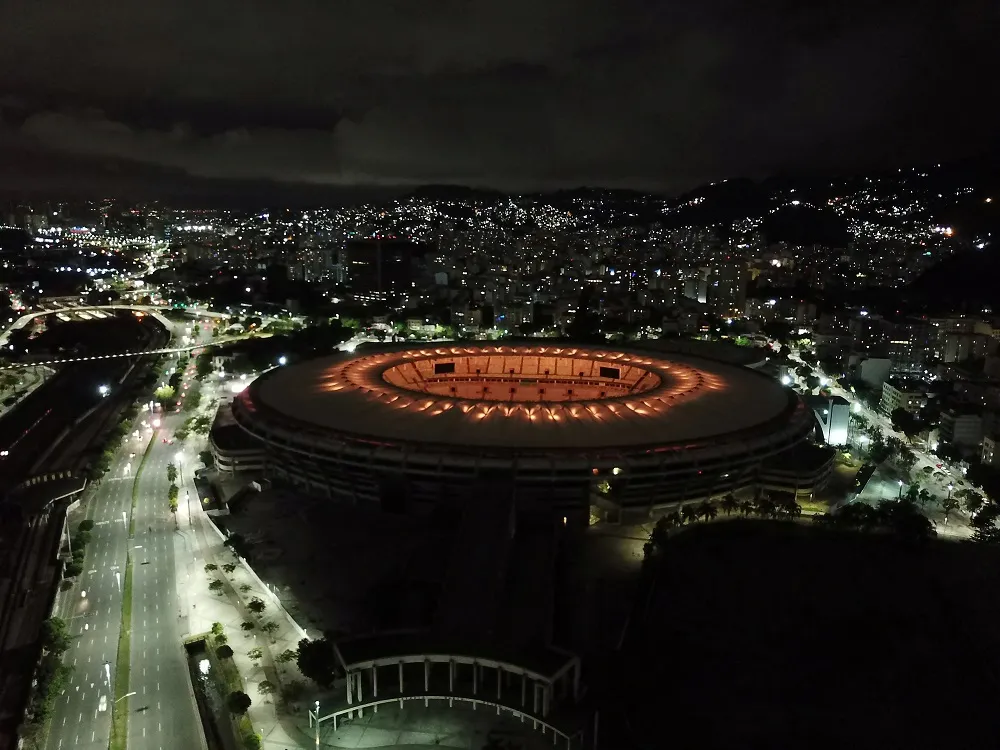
567 428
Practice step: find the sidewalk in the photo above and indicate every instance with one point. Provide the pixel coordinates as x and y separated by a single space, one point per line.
199 544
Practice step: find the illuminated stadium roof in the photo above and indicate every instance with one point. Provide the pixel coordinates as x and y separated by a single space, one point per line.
521 397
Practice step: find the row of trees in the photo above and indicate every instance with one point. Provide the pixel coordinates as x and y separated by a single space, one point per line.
51 678
762 506
78 544
900 517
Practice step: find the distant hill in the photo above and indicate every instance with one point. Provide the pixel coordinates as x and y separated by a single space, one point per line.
721 203
454 193
806 225
965 281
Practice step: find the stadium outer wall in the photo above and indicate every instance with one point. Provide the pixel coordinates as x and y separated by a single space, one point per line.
626 483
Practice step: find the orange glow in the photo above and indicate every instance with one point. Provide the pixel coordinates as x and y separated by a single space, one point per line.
524 382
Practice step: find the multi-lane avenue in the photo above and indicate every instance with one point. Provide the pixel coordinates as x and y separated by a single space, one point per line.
161 710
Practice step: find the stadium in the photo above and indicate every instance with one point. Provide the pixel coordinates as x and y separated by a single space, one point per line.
565 429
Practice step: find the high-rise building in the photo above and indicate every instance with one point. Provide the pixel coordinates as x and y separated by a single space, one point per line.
376 269
912 342
727 286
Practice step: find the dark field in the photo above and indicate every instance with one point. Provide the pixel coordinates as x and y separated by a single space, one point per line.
769 635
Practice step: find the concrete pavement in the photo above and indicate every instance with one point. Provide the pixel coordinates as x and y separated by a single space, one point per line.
159 671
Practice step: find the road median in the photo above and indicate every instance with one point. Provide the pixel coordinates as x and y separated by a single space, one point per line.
119 710
123 663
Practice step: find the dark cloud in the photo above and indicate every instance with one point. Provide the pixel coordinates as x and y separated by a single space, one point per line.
522 94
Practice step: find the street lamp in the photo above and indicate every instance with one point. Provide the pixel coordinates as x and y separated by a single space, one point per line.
900 496
950 488
103 390
282 360
317 723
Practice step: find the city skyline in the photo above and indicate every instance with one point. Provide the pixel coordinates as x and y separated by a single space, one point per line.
520 98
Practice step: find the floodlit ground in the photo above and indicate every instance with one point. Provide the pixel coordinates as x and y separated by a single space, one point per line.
764 634
417 728
342 567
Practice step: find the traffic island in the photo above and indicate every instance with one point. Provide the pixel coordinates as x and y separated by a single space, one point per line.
219 689
135 484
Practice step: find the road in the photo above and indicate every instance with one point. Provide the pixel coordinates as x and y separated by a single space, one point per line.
94 621
159 673
938 481
162 714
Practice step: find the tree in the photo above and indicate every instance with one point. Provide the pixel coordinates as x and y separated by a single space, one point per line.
217 628
905 422
706 510
55 635
788 507
985 525
973 500
287 656
73 569
224 651
257 606
253 742
244 588
85 525
165 395
689 514
256 654
248 626
764 507
905 459
729 504
948 504
316 660
228 568
269 627
266 687
216 586
238 702
203 365
210 567
171 473
207 458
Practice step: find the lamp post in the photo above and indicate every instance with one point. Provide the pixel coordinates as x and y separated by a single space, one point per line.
317 723
900 495
950 488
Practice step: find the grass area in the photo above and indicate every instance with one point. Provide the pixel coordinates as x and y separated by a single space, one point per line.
119 711
811 637
135 483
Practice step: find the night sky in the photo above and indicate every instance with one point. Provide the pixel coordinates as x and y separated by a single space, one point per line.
511 94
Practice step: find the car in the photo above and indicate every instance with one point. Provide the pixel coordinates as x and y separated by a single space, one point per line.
102 704
939 466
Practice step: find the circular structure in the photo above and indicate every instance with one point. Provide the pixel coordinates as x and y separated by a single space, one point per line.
551 421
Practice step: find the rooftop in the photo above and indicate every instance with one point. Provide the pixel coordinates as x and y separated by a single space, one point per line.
521 397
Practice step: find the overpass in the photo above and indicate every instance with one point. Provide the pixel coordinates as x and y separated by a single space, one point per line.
136 353
153 310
